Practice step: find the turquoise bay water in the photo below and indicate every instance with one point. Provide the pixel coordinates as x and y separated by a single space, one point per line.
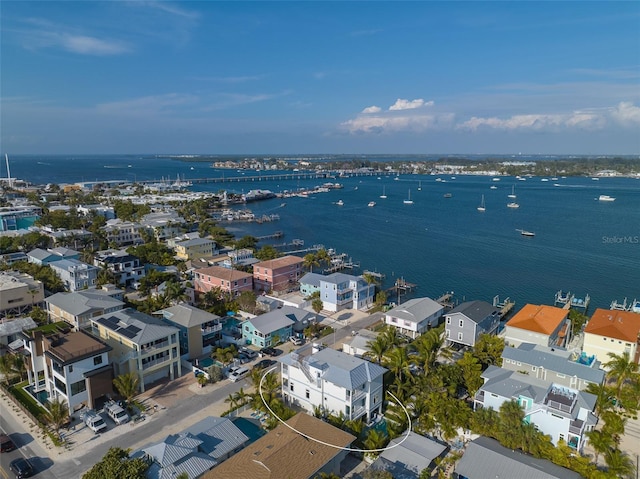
442 244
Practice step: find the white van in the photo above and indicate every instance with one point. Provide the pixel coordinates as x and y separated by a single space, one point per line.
116 413
238 374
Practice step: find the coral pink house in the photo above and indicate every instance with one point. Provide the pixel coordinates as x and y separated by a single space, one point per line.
278 274
228 280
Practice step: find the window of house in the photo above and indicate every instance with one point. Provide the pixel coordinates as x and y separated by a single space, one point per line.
306 393
77 388
561 375
97 360
348 394
448 320
285 368
459 336
347 410
71 368
291 387
448 333
461 322
534 368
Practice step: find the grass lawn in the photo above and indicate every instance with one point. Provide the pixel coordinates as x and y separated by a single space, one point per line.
52 327
26 400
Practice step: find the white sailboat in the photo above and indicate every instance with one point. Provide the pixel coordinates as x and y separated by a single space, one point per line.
408 201
513 204
482 208
513 192
383 195
420 185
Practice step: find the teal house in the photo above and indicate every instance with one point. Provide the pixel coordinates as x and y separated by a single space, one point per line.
273 327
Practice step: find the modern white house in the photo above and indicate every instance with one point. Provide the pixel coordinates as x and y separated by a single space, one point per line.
415 316
333 381
558 411
125 267
339 291
72 366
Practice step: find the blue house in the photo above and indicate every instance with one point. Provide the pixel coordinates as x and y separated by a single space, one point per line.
275 326
339 291
43 257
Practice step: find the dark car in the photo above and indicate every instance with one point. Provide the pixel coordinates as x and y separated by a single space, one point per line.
269 351
263 364
21 467
6 444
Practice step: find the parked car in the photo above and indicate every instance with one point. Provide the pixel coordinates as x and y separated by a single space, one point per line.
238 374
94 421
243 358
263 364
269 351
296 340
249 352
6 444
116 413
21 467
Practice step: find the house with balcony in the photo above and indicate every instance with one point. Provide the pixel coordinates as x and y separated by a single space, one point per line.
71 366
43 257
125 268
539 324
336 382
199 330
195 248
285 453
14 218
558 411
163 224
19 292
141 344
415 316
75 274
612 332
123 233
275 326
279 274
550 364
466 322
10 329
339 291
230 281
79 307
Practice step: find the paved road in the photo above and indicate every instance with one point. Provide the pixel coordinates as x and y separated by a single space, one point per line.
26 447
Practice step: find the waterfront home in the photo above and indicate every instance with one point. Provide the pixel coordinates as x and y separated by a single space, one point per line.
230 281
415 316
612 331
539 324
123 233
558 411
285 453
198 329
485 457
339 291
408 455
359 344
141 344
77 308
163 224
19 292
275 326
333 381
195 450
75 274
279 274
10 329
242 256
552 364
43 257
466 322
125 268
71 366
195 248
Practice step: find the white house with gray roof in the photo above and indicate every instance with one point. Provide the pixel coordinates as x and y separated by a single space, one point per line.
408 455
195 450
415 316
359 343
550 364
339 291
79 307
333 381
559 411
486 458
75 274
141 344
466 322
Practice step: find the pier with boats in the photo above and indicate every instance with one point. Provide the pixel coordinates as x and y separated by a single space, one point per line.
631 306
569 300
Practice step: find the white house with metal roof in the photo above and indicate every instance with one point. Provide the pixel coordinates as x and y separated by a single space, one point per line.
75 274
339 291
408 455
550 364
559 411
79 307
141 344
415 316
333 381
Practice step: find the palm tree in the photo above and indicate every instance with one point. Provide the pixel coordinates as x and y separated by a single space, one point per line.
57 414
7 367
614 425
375 439
241 397
128 386
621 369
377 348
20 365
398 362
309 261
604 395
231 400
391 336
511 416
600 442
471 371
619 463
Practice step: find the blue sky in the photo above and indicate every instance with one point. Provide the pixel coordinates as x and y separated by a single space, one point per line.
320 77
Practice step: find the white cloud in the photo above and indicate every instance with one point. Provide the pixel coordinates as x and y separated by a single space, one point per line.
402 104
626 113
372 109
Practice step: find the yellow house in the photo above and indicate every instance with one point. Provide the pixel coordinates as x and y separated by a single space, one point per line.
612 331
195 249
141 344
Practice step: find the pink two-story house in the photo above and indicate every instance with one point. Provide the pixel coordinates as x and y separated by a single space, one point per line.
228 280
278 274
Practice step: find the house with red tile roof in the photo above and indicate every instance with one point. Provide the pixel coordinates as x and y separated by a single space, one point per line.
611 331
539 324
278 274
228 280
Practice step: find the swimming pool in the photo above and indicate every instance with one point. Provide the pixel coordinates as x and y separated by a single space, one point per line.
250 427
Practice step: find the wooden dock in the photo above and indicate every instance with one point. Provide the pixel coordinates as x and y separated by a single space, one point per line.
505 306
276 235
446 300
